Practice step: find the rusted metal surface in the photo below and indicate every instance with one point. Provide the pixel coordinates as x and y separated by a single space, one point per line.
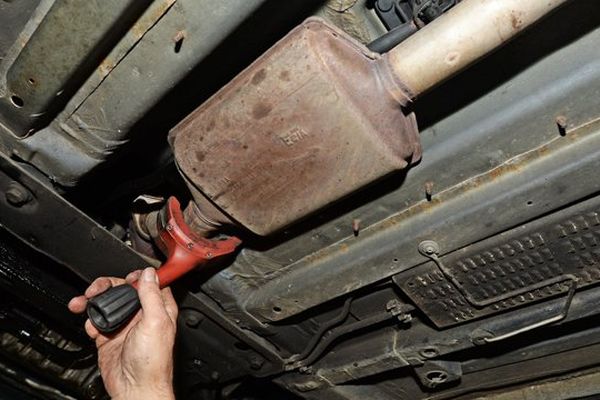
145 22
100 116
446 212
58 57
305 125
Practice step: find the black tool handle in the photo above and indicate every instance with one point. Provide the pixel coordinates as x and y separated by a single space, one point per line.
111 309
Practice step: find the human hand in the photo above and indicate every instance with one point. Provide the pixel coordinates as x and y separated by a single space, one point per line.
137 361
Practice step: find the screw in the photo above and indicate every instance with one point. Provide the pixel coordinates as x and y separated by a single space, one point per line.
17 195
190 245
179 36
428 190
356 226
561 122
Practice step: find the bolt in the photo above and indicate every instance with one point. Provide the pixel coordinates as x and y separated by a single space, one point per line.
192 320
197 363
428 190
215 376
190 245
92 390
429 248
17 195
178 40
209 255
561 122
356 226
256 362
180 35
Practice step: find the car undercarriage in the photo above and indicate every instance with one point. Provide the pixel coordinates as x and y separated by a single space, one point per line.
408 189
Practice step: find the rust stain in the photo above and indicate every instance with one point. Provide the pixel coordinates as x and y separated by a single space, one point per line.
142 26
106 66
285 76
137 31
516 21
261 110
211 125
259 77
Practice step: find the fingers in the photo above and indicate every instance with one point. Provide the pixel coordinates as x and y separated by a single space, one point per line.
101 285
153 306
91 330
133 276
95 334
77 304
170 304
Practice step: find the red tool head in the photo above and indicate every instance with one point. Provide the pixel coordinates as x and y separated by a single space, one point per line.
184 249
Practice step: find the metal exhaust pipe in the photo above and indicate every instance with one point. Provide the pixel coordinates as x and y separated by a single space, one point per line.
469 31
317 117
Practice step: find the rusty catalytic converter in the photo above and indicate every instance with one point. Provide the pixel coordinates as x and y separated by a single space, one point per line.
319 116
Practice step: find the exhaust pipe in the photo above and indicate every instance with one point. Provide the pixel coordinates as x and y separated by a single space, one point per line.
462 36
319 116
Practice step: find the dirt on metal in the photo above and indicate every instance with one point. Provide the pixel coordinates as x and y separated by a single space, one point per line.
308 123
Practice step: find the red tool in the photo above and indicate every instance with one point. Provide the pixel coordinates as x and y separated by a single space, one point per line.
185 251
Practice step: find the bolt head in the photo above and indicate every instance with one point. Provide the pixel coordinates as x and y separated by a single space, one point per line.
429 247
17 195
256 362
192 320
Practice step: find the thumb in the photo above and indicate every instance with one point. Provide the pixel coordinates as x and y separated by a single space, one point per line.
153 307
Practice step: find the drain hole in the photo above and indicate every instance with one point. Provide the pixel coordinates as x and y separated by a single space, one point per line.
17 101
